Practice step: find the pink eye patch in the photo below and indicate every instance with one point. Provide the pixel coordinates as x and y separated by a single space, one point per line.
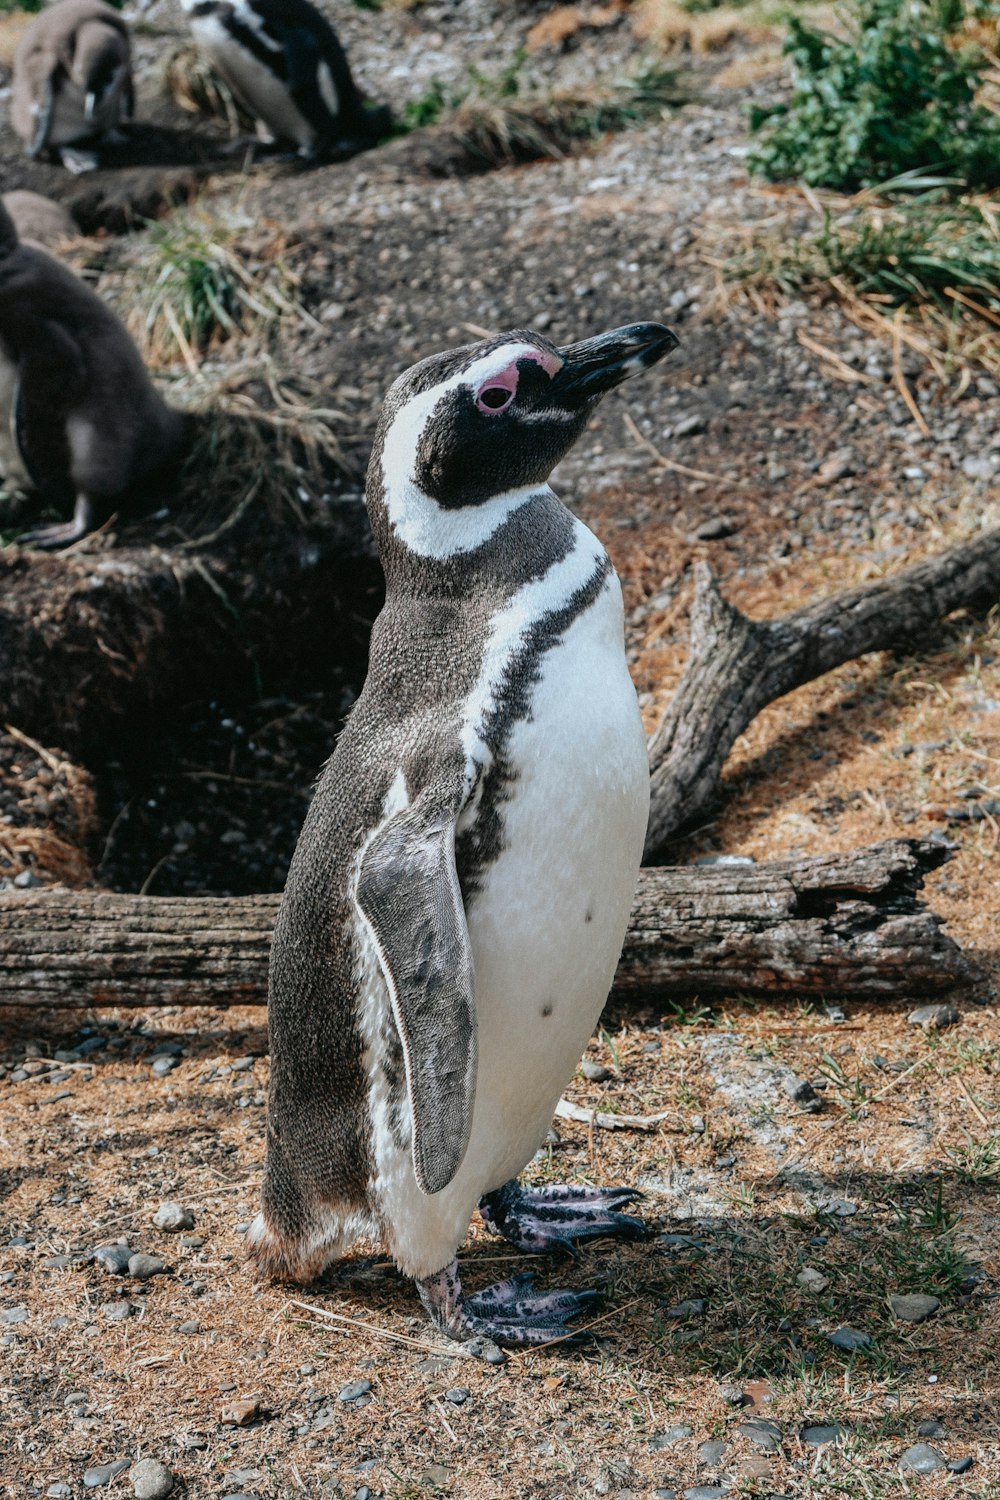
496 394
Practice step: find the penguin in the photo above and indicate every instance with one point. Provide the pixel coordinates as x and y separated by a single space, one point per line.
283 62
79 417
72 81
39 219
457 902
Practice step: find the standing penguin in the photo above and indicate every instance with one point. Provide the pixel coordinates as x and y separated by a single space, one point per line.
79 416
282 60
457 903
72 81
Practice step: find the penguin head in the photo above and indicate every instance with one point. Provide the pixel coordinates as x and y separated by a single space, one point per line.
474 427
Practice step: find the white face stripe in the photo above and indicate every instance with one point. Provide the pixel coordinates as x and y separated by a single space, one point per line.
542 596
424 526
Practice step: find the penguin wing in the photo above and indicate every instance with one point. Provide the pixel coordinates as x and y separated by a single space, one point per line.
304 58
51 376
408 893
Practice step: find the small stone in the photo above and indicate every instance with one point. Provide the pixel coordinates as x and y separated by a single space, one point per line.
669 1437
150 1480
142 1267
26 881
921 1459
753 1466
437 1474
59 1491
711 1453
113 1258
715 529
932 1429
934 1016
682 1311
689 426
838 466
191 1326
117 1312
823 1433
595 1072
172 1218
164 1065
354 1391
734 1395
801 1092
96 1478
914 1307
764 1434
961 1465
240 1413
706 1492
848 1338
458 1395
13 1315
812 1280
843 1208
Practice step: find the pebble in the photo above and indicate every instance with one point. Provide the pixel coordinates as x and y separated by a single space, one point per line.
117 1312
172 1218
764 1434
801 1092
932 1428
712 1452
191 1326
961 1465
822 1433
164 1065
96 1478
936 1016
715 529
150 1480
669 1437
354 1391
812 1280
113 1258
595 1072
59 1491
458 1395
921 1459
848 1338
705 1492
915 1307
681 1311
11 1315
142 1267
240 1413
734 1395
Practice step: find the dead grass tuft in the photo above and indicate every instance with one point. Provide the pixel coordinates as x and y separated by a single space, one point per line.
49 813
188 78
669 25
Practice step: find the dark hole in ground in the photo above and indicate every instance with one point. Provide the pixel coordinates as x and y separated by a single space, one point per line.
215 804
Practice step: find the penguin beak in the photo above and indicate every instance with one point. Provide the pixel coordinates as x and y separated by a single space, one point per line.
596 365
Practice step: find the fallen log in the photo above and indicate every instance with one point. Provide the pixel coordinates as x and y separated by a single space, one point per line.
737 666
838 924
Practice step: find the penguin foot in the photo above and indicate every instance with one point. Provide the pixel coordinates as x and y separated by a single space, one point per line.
560 1215
77 161
508 1312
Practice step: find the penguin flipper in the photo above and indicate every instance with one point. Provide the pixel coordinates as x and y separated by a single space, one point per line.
44 119
408 892
303 57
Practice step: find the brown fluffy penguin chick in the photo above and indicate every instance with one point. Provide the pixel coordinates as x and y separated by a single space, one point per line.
78 411
38 218
72 80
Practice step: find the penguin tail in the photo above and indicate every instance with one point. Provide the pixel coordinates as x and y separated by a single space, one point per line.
299 1258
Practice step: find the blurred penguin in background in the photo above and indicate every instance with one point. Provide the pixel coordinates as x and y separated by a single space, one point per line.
284 64
72 82
39 219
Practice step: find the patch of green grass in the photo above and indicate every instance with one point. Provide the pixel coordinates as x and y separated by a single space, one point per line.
975 1162
897 94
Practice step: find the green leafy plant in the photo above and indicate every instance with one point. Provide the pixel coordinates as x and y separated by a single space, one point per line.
898 93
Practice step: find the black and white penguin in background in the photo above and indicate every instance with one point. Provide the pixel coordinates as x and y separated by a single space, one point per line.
284 64
72 84
80 420
457 903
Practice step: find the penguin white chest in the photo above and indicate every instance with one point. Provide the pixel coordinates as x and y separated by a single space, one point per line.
549 920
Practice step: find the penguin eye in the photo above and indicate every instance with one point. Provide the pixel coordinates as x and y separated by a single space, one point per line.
493 398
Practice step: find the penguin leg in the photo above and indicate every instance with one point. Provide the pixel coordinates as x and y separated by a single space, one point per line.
63 532
509 1312
546 1218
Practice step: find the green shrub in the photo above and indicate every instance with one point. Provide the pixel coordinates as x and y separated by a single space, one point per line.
896 95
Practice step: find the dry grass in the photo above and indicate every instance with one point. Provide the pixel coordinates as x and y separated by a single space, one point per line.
49 813
668 25
189 79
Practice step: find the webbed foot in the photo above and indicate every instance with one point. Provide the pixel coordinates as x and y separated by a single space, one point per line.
508 1312
560 1215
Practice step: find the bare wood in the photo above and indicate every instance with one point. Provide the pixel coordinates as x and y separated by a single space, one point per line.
831 925
737 666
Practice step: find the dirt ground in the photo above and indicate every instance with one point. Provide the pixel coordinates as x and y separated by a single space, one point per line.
773 1227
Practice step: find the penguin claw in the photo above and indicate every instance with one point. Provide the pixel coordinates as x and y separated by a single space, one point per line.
559 1216
508 1312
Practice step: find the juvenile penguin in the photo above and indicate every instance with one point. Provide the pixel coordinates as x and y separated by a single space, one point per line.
79 416
72 81
282 60
457 902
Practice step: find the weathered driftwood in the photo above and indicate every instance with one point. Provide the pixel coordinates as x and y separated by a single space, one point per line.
737 666
833 925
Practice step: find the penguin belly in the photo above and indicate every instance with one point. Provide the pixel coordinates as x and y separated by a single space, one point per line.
546 926
13 473
261 92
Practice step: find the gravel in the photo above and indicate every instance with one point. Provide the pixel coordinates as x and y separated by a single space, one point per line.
935 1017
764 1434
822 1433
921 1459
669 1437
850 1339
914 1307
712 1452
113 1258
172 1218
142 1267
355 1392
103 1474
458 1395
